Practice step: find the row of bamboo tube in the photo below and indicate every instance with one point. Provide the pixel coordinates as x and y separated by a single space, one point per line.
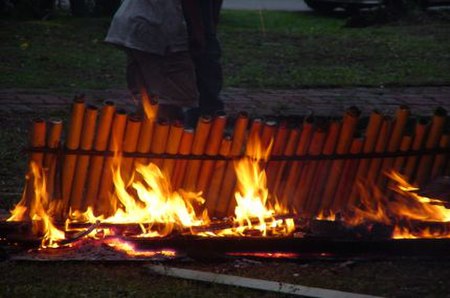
308 187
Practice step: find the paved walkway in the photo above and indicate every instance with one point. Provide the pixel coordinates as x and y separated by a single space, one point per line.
323 102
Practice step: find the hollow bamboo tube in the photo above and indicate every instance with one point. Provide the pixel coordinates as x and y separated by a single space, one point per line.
282 170
348 177
348 130
218 171
229 177
104 204
405 145
37 139
314 201
441 159
129 146
145 140
173 143
420 132
81 169
160 135
288 191
300 202
401 118
380 147
50 159
96 162
226 200
370 139
279 144
198 148
212 149
180 166
434 135
72 143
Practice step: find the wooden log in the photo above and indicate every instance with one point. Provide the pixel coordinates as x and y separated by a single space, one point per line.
401 118
218 172
101 143
198 148
229 183
72 143
172 146
288 191
104 204
212 149
432 142
159 142
441 159
50 159
81 170
420 132
348 130
180 166
323 167
303 189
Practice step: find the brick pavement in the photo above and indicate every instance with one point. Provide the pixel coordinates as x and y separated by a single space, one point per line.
323 102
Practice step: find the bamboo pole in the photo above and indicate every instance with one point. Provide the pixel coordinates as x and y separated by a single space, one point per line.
380 147
288 191
401 118
432 142
180 166
279 144
348 176
160 135
302 191
229 183
282 170
129 146
420 132
50 159
198 148
104 204
370 138
81 170
441 159
145 139
72 143
100 145
317 185
405 145
172 146
212 194
229 177
212 149
348 130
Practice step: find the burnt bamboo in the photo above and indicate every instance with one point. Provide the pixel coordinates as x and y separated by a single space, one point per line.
347 132
158 145
50 159
81 169
441 159
180 166
172 146
432 141
218 171
72 142
212 149
104 204
288 189
420 132
100 145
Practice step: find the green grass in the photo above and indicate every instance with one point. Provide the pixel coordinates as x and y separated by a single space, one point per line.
261 49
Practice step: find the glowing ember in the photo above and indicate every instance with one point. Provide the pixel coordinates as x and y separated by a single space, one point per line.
130 249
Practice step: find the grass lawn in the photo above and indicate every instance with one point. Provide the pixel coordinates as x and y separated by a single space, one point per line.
268 49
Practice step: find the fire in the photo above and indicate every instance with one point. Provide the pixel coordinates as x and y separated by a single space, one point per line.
41 209
401 209
132 251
